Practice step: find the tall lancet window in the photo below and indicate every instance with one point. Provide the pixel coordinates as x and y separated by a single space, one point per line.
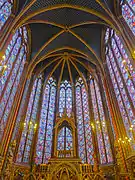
30 123
44 142
5 11
86 150
128 13
65 100
123 79
100 122
12 67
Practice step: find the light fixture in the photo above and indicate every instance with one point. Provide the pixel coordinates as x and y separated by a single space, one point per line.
2 69
35 126
124 61
3 57
130 128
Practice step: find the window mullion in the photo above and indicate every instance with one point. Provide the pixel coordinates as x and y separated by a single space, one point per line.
46 125
65 138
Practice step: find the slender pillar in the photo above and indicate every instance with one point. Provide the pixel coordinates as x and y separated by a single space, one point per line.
55 118
107 118
75 119
114 111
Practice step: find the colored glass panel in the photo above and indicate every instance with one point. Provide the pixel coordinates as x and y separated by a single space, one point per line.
101 127
80 125
5 11
107 35
123 79
128 13
123 102
30 123
13 64
20 113
65 100
86 150
65 139
44 143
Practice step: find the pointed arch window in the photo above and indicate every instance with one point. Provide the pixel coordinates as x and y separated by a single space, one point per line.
5 11
123 79
65 100
86 150
12 67
65 139
44 143
100 123
128 13
30 123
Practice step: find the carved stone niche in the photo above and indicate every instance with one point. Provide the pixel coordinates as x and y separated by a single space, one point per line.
67 122
131 165
64 171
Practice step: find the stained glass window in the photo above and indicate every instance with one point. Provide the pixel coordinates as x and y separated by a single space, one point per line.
65 101
44 143
100 122
13 64
5 11
123 79
65 139
86 150
21 112
128 13
30 123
